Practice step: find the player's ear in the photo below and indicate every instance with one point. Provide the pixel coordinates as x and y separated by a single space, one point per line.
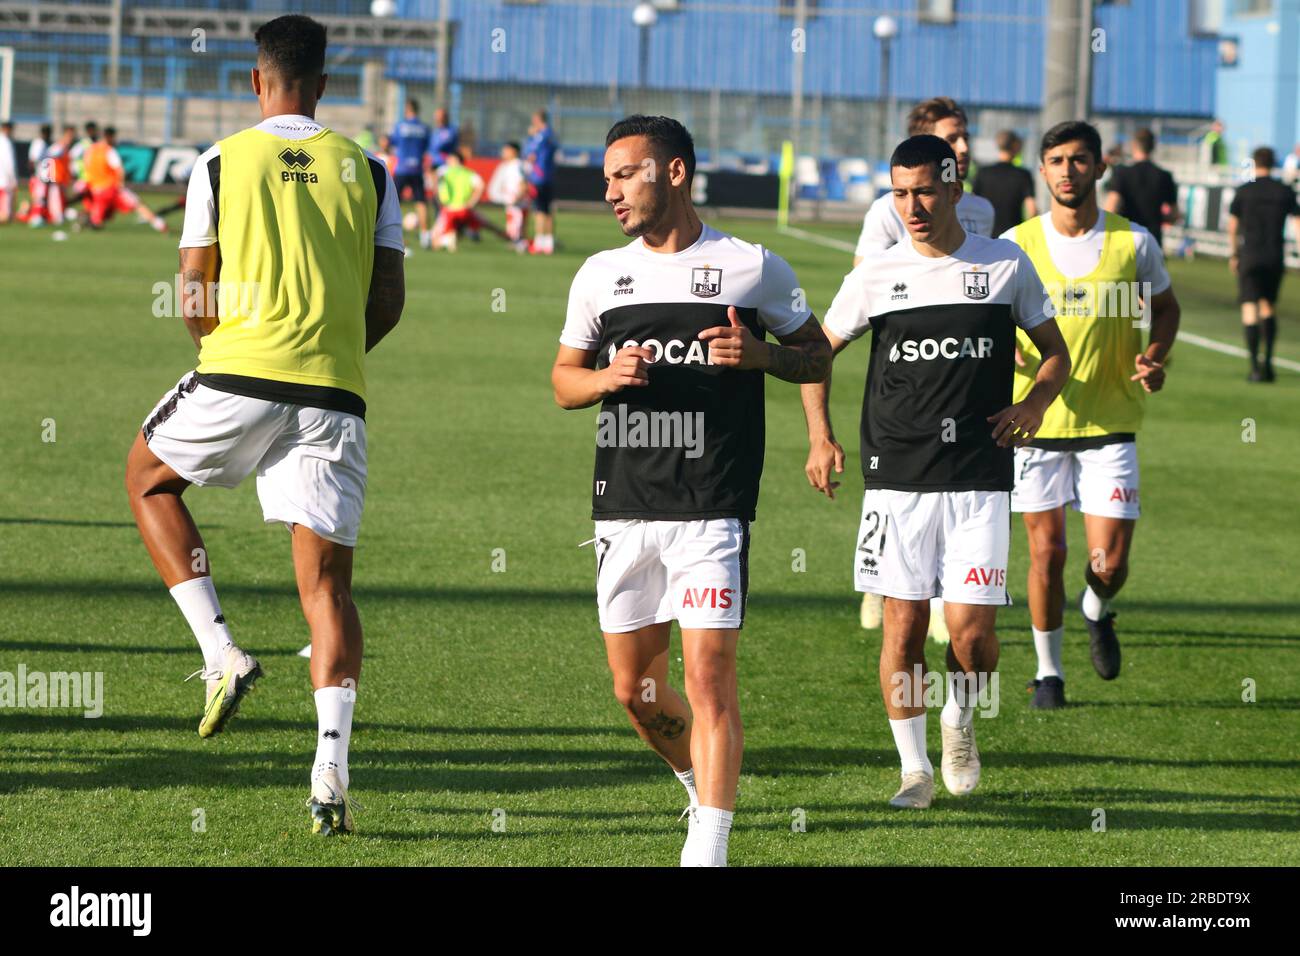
256 80
320 85
1100 170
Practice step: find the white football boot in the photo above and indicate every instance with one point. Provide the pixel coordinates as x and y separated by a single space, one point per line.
916 792
961 759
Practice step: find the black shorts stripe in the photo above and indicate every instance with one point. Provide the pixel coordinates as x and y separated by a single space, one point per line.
168 408
744 570
1083 444
294 393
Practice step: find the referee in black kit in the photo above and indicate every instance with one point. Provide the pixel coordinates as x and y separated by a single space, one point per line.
1256 223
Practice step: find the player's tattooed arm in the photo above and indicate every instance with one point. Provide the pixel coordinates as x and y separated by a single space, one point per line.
824 452
803 355
387 295
198 268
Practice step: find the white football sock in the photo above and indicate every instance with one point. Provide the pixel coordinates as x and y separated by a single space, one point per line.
707 843
1094 607
687 777
197 599
909 738
1048 645
334 707
959 708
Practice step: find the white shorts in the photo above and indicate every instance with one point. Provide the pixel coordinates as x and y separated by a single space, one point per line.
310 462
1097 481
649 572
951 544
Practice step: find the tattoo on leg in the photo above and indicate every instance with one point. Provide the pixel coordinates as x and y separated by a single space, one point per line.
668 727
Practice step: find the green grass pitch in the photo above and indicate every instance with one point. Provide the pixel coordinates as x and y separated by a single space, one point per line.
485 696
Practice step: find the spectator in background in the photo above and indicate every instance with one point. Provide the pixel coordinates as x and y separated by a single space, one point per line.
509 187
1143 192
1256 224
8 171
1007 186
1214 148
539 152
446 137
384 153
1291 165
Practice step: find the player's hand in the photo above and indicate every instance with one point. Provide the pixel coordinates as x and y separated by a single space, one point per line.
733 345
1020 358
1016 425
1150 373
629 369
823 455
1232 264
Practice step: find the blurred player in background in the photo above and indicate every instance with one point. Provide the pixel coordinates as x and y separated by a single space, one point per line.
51 178
411 139
672 515
309 260
938 425
459 190
509 187
1143 192
882 229
1007 186
80 190
8 171
384 153
1107 279
444 138
1256 238
539 155
105 185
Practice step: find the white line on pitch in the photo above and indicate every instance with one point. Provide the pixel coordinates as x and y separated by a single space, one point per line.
1191 337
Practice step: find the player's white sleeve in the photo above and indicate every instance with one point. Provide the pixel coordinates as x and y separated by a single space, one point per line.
200 227
881 228
1030 303
388 224
1150 261
849 316
582 322
782 304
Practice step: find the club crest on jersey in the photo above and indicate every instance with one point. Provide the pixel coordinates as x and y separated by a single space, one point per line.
975 285
706 282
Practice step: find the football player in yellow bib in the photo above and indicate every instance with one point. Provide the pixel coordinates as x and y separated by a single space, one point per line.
1108 283
303 230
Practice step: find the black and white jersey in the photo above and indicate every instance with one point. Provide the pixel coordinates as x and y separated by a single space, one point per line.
942 358
689 445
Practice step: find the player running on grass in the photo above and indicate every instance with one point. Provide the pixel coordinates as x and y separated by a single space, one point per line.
668 334
1107 279
938 426
308 225
882 229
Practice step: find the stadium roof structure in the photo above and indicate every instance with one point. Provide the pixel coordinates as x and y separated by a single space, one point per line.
81 18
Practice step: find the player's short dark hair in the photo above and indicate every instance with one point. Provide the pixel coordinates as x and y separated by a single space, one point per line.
413 105
927 113
924 150
1072 131
46 131
1145 140
1009 141
514 144
542 115
1264 157
668 137
292 46
91 126
110 131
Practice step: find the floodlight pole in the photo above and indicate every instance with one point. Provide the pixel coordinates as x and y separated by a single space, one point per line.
114 59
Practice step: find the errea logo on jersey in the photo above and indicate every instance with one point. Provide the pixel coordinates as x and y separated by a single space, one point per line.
297 160
914 350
